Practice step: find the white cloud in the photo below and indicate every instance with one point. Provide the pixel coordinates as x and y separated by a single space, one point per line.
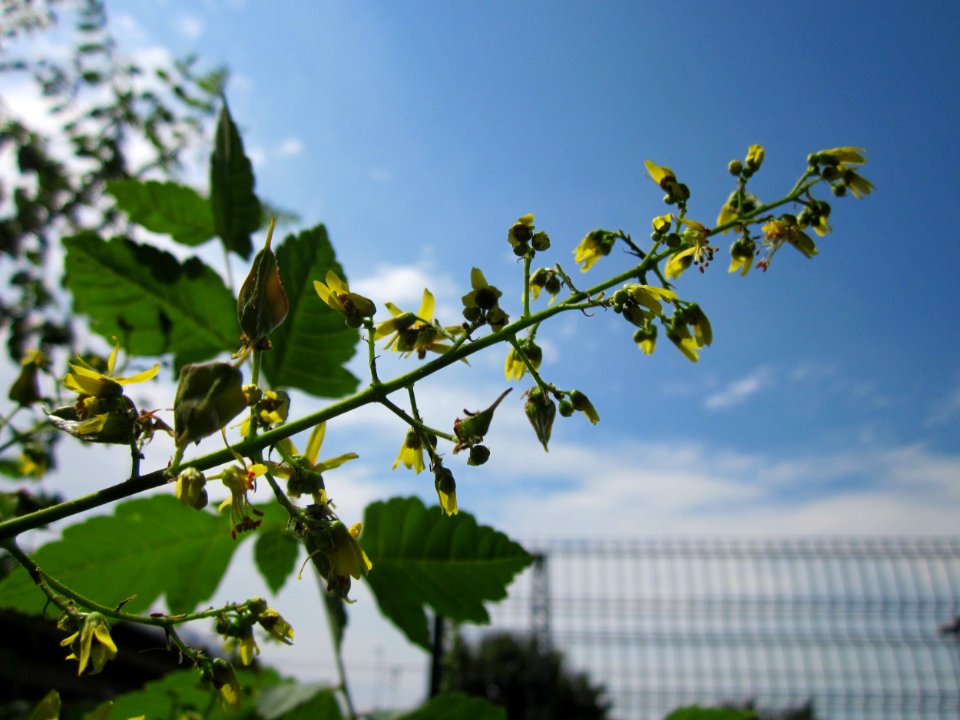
291 147
738 391
403 285
190 26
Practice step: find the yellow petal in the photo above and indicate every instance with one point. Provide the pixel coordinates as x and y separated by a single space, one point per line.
139 377
335 283
312 451
112 360
426 306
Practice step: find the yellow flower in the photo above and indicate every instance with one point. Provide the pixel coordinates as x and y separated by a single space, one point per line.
514 367
446 488
304 473
346 556
244 644
415 333
595 245
520 233
273 623
644 302
699 253
92 644
662 223
846 155
336 293
660 174
225 681
240 480
778 231
411 453
84 380
679 329
274 408
742 253
646 338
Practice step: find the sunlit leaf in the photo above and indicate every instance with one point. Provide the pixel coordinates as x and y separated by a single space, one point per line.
149 300
167 208
236 209
422 558
149 547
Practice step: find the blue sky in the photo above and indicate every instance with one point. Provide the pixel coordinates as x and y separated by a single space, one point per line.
418 132
419 135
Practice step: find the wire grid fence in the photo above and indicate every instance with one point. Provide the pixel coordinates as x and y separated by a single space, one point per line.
855 626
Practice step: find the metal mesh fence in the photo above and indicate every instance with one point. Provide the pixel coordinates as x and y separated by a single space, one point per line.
854 626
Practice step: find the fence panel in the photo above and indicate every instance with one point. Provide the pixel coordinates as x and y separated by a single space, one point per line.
852 625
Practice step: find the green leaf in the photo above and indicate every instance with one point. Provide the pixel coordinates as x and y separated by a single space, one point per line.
148 299
423 558
183 691
299 701
236 209
457 706
48 708
149 547
276 554
695 712
311 347
167 208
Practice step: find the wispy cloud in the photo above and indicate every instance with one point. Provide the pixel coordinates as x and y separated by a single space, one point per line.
739 390
291 147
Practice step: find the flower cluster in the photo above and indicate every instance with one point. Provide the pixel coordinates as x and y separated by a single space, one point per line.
481 306
416 333
237 626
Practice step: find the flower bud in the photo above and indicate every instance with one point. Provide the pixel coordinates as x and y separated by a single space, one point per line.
262 304
191 488
541 411
755 155
582 403
540 241
565 408
735 167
